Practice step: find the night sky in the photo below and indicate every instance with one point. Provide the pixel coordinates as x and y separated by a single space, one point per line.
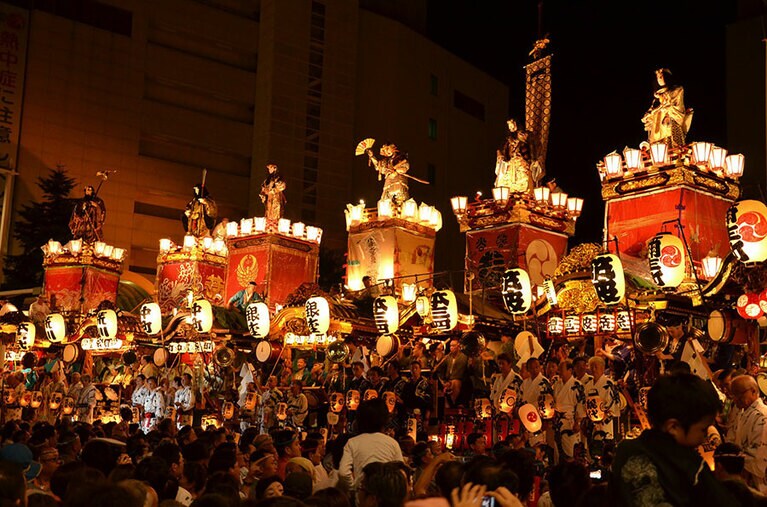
605 53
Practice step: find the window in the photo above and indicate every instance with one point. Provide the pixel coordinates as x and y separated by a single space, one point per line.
469 105
431 173
434 85
432 129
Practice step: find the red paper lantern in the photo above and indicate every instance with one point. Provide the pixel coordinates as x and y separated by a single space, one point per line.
763 300
749 306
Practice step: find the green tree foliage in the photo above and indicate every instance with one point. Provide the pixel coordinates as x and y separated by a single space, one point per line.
37 223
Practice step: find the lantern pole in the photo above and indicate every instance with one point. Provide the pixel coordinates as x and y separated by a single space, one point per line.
680 228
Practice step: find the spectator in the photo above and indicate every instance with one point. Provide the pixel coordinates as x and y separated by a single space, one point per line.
749 431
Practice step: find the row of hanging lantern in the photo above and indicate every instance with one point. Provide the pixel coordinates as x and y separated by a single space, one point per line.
561 324
705 156
207 244
423 214
543 196
752 305
53 249
150 316
259 225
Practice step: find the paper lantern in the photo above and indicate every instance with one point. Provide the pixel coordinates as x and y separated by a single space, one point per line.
384 209
614 165
572 325
530 418
409 209
556 325
450 437
444 310
607 277
336 402
55 402
25 335
298 229
227 410
606 323
423 306
55 327
370 394
386 314
516 291
748 306
733 165
459 204
189 242
409 291
718 158
391 400
633 158
37 399
659 153
701 152
317 315
711 265
508 400
589 323
106 323
231 229
26 398
352 399
246 226
668 262
259 224
251 401
165 245
202 316
501 196
257 317
312 233
483 408
541 195
559 200
151 318
595 408
546 406
68 406
747 231
9 396
623 321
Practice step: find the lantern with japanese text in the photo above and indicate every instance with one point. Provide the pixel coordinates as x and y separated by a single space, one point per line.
37 399
444 310
106 323
606 322
517 291
257 317
317 315
55 402
623 320
202 316
508 400
370 394
422 306
482 408
386 314
9 396
607 277
748 306
556 325
151 318
595 408
573 325
589 323
546 406
25 399
25 335
68 406
352 399
251 400
551 292
227 410
55 327
530 418
666 255
747 231
336 402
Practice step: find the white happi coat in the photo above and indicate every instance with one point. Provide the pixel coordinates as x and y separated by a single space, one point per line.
533 388
154 404
750 433
184 401
569 402
139 395
607 391
501 383
86 402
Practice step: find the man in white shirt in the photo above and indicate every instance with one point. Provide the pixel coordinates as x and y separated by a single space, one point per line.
570 409
154 405
298 405
750 429
536 384
86 401
506 379
184 401
75 386
140 393
601 389
579 370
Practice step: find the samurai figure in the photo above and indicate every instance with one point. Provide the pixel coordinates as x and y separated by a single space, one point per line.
393 166
514 159
273 194
667 120
200 214
88 217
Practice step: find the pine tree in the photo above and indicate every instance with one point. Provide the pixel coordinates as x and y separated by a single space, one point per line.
37 223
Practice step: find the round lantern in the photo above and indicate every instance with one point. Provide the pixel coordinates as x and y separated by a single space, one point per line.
317 315
530 418
422 306
666 255
386 314
251 400
106 323
202 316
749 307
508 400
589 323
352 399
37 399
55 401
26 399
546 406
257 317
483 408
556 325
517 291
747 231
444 310
391 400
227 410
336 402
68 405
151 318
595 408
9 396
607 277
25 335
55 327
370 394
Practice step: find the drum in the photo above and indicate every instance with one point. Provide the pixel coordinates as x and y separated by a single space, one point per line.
223 356
110 394
161 356
725 326
651 337
472 344
387 345
268 352
71 353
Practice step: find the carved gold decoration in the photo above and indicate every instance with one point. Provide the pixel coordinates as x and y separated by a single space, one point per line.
247 269
678 175
578 260
578 296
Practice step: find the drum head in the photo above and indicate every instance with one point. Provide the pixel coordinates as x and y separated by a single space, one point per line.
160 356
761 381
70 353
717 326
263 351
387 345
110 394
337 352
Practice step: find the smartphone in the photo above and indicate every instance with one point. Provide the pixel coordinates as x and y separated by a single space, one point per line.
488 501
596 475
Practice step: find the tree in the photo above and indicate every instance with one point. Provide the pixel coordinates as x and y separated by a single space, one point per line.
39 222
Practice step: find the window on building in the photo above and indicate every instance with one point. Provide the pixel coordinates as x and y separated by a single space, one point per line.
434 84
432 129
469 105
431 173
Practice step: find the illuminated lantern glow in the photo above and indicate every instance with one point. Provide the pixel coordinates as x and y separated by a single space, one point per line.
633 158
259 224
444 310
541 195
718 158
76 246
606 322
424 213
386 314
391 400
659 153
589 323
312 233
26 399
37 399
283 226
106 323
55 327
257 317
165 245
370 394
763 300
574 206
337 402
55 401
572 325
459 204
559 200
482 408
614 165
711 266
501 196
623 321
508 400
409 291
516 291
231 229
556 325
749 307
202 316
551 291
546 406
298 229
189 242
384 209
733 165
747 231
352 399
25 335
607 277
450 437
317 315
530 418
68 406
668 262
701 152
151 318
99 247
227 410
409 209
246 226
423 306
595 408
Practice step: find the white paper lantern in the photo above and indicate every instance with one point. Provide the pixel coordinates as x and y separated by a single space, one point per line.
283 226
444 310
423 306
409 209
556 325
317 315
231 229
25 335
151 318
298 229
386 314
165 245
106 323
747 231
202 316
607 323
589 323
384 209
260 224
530 418
257 317
573 325
668 262
623 321
246 226
55 327
607 277
517 291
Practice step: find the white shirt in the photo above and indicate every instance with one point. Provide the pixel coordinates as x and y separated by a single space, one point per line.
607 391
750 433
500 384
568 399
532 388
139 395
154 403
184 497
185 397
363 449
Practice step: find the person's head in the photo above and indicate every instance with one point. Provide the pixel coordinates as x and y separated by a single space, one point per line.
597 366
421 454
663 78
552 367
300 363
392 369
12 485
358 369
488 472
328 497
382 485
744 391
415 369
296 387
684 406
101 455
448 477
86 380
313 449
455 347
171 453
104 493
151 382
269 487
224 484
566 370
504 363
477 443
271 167
579 367
193 478
372 416
729 461
250 288
156 472
49 458
298 484
511 123
89 191
145 360
367 281
263 464
140 379
273 381
287 444
186 380
374 375
224 459
533 367
177 382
